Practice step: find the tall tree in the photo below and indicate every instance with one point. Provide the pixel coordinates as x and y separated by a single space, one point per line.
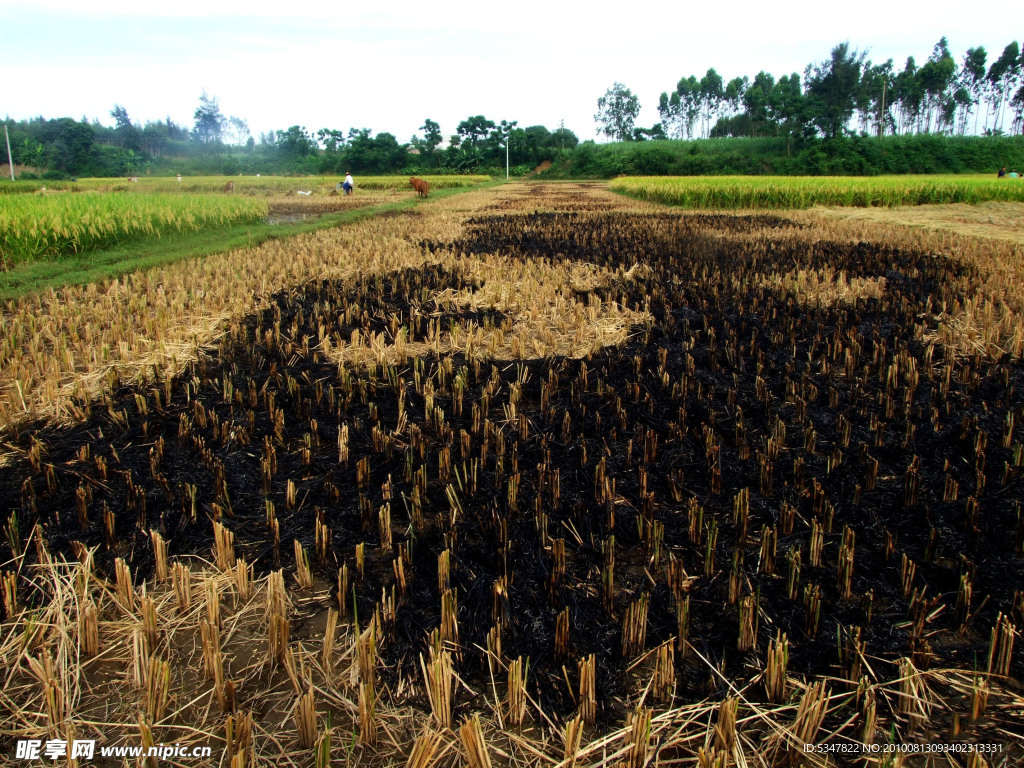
1002 78
787 108
972 79
671 113
128 136
209 122
757 100
937 77
875 97
712 92
295 143
330 139
1017 105
688 89
120 115
832 89
431 140
474 130
617 111
909 94
69 144
530 145
733 97
562 138
237 130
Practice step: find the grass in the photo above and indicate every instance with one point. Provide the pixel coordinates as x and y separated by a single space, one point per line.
95 266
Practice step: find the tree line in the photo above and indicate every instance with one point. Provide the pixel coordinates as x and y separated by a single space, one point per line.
220 144
847 94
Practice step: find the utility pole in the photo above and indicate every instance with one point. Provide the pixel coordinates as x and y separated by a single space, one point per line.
508 137
881 114
10 162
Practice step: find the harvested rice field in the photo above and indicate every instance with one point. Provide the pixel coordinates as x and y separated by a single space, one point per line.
530 475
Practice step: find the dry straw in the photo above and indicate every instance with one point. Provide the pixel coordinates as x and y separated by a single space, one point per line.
472 736
515 707
303 574
172 646
438 677
304 715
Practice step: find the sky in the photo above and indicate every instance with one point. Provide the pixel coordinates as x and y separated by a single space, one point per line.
388 66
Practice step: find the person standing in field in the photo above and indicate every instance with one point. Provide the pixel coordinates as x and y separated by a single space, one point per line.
348 184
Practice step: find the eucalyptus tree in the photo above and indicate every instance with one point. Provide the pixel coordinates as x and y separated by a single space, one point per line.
937 76
688 89
617 111
1002 79
972 82
757 103
1017 105
787 108
909 95
875 97
712 93
236 129
670 110
733 96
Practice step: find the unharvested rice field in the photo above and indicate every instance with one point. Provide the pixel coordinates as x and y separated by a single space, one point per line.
809 191
246 185
67 217
33 227
530 475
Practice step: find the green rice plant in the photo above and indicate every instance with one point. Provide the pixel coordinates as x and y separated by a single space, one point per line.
808 191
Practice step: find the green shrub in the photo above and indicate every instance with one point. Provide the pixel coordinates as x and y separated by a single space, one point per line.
853 156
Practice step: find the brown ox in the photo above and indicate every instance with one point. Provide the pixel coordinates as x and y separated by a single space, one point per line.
229 187
421 187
